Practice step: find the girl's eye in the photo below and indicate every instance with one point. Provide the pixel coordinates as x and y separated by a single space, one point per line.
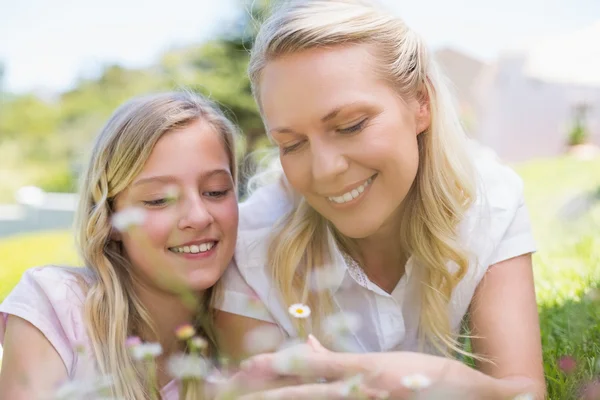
155 203
217 194
354 128
291 148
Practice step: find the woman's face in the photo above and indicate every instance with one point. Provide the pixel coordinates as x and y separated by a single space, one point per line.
348 142
189 232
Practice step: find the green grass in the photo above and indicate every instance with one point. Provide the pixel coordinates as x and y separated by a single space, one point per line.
566 266
20 252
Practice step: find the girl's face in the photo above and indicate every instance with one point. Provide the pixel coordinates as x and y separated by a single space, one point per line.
191 214
348 142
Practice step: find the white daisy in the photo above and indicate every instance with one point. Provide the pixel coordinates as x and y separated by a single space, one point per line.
341 324
128 218
351 386
299 310
416 382
262 339
524 396
185 366
290 360
145 351
199 343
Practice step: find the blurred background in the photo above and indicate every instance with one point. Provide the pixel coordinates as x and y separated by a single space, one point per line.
526 75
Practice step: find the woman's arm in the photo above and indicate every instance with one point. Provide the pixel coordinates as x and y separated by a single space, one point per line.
505 324
31 367
503 316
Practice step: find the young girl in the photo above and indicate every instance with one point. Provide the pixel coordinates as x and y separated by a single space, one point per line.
384 210
168 157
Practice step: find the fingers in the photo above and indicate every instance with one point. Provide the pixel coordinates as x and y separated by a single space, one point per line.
310 391
336 390
241 384
329 365
314 343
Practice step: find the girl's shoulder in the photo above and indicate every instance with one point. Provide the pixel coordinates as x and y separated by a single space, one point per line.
51 298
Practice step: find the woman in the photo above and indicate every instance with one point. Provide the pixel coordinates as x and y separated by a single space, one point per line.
384 210
166 157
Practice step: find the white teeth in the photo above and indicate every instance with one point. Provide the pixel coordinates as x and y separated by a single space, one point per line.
351 195
194 249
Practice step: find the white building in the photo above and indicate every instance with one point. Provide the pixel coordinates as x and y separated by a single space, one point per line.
524 104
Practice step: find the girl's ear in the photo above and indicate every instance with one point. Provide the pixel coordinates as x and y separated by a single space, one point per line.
115 235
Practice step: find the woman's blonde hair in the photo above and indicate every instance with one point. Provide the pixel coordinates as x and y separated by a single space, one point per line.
444 185
112 310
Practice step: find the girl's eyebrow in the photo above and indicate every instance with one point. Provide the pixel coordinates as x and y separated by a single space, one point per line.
171 179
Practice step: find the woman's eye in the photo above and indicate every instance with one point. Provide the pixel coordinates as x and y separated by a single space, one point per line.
291 148
354 128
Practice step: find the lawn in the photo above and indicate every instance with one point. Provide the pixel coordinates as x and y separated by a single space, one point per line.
567 267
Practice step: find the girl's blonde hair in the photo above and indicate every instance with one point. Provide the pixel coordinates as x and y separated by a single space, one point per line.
444 186
112 310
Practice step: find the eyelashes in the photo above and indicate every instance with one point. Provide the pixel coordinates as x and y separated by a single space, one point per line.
354 128
344 131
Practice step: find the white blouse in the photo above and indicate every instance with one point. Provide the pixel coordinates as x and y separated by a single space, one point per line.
496 228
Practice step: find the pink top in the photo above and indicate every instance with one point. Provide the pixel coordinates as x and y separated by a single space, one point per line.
51 299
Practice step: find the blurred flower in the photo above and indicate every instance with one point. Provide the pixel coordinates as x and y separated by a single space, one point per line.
255 303
351 386
172 193
79 347
198 343
262 339
128 218
186 366
416 381
567 364
299 310
591 391
132 341
524 396
290 360
593 295
185 332
342 323
324 278
145 351
94 388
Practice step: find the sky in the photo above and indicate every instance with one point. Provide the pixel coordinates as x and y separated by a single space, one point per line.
46 45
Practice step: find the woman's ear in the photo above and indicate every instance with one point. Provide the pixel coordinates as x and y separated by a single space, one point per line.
423 115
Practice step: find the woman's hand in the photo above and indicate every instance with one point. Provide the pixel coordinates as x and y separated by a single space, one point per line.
320 373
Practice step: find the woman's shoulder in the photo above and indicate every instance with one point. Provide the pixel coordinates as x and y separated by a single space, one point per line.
498 218
265 206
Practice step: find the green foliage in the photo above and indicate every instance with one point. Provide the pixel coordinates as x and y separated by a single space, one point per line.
59 178
579 133
63 128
